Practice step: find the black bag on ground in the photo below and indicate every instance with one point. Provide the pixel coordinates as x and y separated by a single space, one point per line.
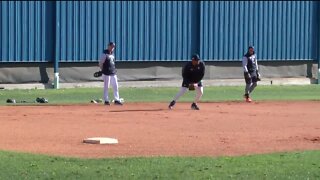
41 100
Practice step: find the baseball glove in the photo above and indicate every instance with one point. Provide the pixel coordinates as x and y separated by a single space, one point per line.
191 87
97 74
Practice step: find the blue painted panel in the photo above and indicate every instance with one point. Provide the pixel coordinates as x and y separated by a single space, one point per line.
24 30
142 30
35 31
279 30
316 32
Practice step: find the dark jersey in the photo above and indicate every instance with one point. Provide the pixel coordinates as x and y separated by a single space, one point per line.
250 63
109 67
193 74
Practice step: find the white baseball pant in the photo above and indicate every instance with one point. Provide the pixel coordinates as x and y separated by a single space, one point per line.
184 90
107 79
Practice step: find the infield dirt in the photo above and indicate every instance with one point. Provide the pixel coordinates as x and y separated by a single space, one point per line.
151 129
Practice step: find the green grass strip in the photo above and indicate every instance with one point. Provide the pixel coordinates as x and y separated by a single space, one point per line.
165 94
295 165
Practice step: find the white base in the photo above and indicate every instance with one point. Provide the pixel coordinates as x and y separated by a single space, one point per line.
100 140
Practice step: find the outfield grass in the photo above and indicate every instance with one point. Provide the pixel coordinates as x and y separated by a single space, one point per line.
220 93
295 165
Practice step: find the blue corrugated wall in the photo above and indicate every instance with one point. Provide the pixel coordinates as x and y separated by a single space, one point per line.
25 30
316 32
279 30
77 31
143 31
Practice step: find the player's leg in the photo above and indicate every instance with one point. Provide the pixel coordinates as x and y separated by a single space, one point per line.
247 88
199 93
253 85
115 87
254 82
106 83
182 91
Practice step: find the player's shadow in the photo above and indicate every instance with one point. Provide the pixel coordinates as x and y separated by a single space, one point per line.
136 110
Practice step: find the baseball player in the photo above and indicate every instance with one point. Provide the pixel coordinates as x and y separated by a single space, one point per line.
192 74
251 74
108 68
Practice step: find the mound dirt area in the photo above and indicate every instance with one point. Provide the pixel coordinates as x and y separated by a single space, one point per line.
151 129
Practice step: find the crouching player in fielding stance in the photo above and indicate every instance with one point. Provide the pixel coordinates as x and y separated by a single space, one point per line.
108 68
251 74
192 74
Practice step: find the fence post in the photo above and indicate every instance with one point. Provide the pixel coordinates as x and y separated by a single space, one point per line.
57 47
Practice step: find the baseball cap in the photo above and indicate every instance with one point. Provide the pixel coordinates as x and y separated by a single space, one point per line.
195 57
112 44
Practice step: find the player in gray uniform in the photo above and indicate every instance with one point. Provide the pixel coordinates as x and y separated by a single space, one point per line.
192 74
108 68
251 74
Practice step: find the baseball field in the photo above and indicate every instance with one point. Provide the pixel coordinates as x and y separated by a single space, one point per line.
277 136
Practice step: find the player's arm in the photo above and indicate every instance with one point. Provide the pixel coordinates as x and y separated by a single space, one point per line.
102 60
186 74
257 65
244 65
258 74
203 68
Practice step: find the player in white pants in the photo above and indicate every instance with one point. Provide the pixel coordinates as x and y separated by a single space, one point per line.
198 87
192 74
107 66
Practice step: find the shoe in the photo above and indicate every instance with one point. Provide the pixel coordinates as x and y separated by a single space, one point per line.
248 99
107 103
93 101
118 103
172 103
194 106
